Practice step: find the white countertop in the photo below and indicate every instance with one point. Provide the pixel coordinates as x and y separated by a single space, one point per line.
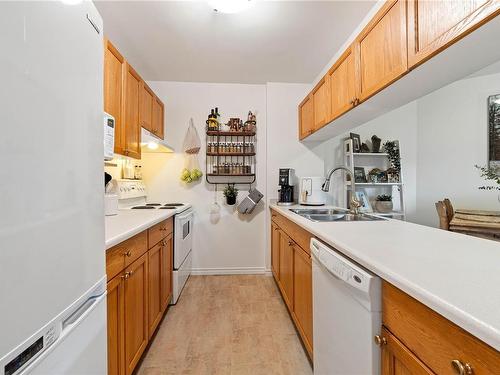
456 275
128 223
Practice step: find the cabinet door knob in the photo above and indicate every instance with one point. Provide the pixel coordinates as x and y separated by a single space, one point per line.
460 368
126 275
290 243
128 253
380 340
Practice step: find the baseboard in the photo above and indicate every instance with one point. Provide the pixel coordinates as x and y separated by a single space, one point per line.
231 271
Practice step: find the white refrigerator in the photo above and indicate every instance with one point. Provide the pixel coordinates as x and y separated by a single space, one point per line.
52 255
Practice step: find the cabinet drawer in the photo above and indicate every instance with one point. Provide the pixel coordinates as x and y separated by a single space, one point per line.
160 231
435 340
296 233
123 254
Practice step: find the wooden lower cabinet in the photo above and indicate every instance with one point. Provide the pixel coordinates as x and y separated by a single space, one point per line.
286 268
441 346
115 303
155 311
275 251
135 312
138 297
292 269
397 359
166 258
302 295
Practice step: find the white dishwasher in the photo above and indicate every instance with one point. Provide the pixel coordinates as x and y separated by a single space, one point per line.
346 315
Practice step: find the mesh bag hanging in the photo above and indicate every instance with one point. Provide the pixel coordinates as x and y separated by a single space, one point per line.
192 142
191 147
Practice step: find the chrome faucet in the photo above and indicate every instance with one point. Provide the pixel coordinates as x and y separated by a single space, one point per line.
354 204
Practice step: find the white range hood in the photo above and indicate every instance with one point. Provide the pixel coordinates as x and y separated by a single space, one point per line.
152 144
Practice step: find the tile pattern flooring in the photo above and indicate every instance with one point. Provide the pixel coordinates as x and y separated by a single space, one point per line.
227 325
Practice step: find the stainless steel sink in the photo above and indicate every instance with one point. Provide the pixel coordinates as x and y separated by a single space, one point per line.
333 215
317 211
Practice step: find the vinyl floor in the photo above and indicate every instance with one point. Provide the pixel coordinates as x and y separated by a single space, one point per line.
227 325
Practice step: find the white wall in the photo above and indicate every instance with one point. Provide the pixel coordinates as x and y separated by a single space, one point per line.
235 243
452 138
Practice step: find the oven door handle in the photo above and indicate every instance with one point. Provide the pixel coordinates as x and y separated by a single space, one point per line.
185 216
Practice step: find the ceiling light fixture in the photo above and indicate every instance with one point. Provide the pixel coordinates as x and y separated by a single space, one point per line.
71 2
230 6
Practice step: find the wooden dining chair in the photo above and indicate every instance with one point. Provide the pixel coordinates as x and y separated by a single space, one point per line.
445 212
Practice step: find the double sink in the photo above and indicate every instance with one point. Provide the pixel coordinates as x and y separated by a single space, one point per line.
324 214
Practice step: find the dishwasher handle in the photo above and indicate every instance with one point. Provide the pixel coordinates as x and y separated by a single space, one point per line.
343 268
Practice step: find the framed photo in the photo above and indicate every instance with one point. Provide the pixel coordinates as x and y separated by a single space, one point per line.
359 174
365 203
356 142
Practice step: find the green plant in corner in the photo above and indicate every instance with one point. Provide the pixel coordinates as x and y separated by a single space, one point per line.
384 198
392 150
230 192
490 174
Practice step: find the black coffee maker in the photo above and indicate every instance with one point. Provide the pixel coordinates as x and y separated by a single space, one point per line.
285 191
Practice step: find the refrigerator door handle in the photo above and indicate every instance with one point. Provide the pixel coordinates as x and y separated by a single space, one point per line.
80 313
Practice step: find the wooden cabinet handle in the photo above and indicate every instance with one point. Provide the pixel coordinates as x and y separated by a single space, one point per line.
127 254
126 275
460 368
290 243
380 340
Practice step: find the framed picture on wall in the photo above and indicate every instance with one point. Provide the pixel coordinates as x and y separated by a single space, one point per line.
359 174
356 142
494 131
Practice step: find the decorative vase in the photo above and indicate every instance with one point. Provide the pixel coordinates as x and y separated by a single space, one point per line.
231 200
383 207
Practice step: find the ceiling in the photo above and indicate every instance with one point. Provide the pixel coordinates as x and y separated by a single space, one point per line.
274 41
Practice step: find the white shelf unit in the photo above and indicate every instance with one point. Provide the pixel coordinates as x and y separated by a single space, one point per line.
370 160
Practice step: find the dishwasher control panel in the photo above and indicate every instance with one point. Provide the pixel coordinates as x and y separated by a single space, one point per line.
341 267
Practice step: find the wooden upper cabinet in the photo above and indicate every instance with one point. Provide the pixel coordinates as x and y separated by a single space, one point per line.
302 295
321 103
343 86
146 98
435 25
135 312
398 359
114 68
158 118
382 49
132 84
306 117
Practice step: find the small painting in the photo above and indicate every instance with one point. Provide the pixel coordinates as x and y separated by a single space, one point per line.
359 174
356 142
365 203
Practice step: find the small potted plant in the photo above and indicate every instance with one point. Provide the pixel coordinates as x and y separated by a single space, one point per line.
383 203
230 192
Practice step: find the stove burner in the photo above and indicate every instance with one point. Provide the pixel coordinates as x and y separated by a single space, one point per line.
143 208
167 208
153 204
173 204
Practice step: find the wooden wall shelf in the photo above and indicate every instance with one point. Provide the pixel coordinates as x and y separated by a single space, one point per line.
230 153
228 134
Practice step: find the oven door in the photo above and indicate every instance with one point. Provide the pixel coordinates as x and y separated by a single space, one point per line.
183 237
